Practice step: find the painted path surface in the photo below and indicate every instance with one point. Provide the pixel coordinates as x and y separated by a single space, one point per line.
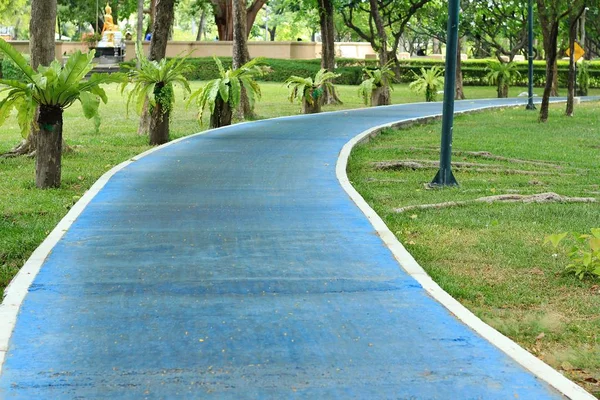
233 265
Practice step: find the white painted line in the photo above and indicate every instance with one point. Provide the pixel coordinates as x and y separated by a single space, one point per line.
536 366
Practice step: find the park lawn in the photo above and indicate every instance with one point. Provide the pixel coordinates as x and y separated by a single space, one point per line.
492 257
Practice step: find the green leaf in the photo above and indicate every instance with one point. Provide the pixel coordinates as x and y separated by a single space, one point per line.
25 114
90 103
555 239
596 232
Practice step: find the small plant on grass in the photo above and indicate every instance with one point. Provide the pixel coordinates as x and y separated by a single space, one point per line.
52 89
429 82
222 95
374 90
154 82
502 75
309 91
584 255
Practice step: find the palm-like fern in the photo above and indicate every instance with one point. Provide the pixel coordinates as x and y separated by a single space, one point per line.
429 82
53 89
309 90
502 74
227 89
375 79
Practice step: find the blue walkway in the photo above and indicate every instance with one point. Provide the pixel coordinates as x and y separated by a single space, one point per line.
233 265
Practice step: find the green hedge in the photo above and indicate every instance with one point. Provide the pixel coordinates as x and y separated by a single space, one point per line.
10 70
474 71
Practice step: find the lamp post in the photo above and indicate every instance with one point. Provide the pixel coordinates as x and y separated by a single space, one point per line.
444 176
530 105
97 5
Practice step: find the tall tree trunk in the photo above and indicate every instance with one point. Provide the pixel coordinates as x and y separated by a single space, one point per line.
571 81
140 24
384 96
223 11
327 45
551 54
459 93
49 148
41 49
201 25
159 125
163 21
240 51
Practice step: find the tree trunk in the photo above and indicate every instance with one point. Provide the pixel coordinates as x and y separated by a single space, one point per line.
380 96
313 108
383 51
201 25
571 82
240 52
459 94
41 48
49 148
222 114
554 91
140 24
327 46
158 48
223 11
159 125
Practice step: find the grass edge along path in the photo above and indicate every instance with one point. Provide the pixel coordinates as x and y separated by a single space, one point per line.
491 257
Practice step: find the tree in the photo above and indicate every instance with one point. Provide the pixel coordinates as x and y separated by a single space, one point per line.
223 11
550 13
384 95
395 15
49 91
163 21
240 50
41 49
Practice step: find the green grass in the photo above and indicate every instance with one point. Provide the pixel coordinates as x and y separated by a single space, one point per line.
491 257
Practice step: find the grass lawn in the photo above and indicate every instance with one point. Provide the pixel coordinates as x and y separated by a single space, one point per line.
506 276
491 257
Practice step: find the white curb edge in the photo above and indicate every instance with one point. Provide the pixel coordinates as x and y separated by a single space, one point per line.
536 366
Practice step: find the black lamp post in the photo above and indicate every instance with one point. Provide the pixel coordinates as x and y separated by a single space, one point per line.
530 105
444 176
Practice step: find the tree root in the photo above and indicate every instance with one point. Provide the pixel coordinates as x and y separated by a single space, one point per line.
548 197
483 154
471 167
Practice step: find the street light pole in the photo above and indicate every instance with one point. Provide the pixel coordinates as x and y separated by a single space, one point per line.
530 105
96 17
444 176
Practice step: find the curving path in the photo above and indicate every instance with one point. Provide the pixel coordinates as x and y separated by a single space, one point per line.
233 265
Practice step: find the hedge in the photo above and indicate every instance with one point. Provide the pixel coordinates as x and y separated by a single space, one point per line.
474 71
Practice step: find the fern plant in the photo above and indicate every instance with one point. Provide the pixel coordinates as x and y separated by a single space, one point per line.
222 95
502 75
153 82
309 91
429 82
376 81
53 89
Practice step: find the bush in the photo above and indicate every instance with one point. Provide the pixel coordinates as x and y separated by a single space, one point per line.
10 71
350 70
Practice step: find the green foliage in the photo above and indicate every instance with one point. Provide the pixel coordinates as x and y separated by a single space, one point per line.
228 86
350 70
502 74
584 254
53 86
310 89
11 71
429 82
583 78
374 79
154 81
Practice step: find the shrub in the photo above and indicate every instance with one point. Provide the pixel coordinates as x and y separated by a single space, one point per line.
584 255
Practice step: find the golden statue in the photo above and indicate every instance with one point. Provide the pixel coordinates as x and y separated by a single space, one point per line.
109 25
